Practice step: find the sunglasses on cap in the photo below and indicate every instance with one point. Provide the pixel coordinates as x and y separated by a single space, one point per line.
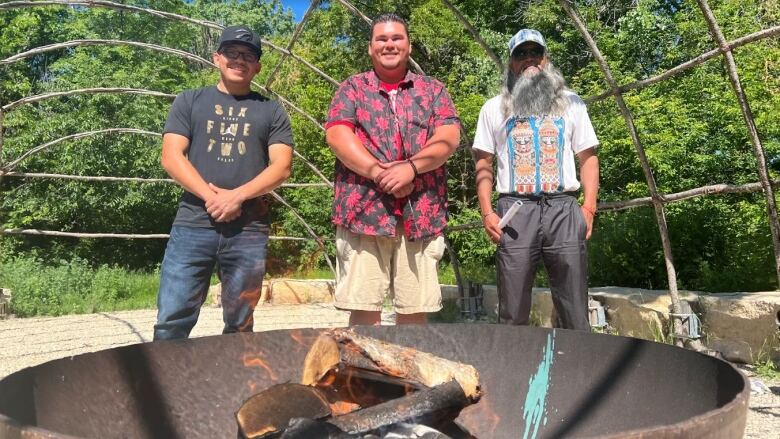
533 52
233 54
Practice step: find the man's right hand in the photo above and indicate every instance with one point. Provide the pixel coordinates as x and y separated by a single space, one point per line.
224 205
490 222
404 191
379 168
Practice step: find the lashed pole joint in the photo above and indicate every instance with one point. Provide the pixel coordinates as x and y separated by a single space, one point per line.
308 229
747 114
660 214
180 53
680 68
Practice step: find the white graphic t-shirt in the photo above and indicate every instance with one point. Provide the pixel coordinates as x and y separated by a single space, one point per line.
535 154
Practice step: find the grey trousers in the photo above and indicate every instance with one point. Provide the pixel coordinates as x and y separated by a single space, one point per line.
549 228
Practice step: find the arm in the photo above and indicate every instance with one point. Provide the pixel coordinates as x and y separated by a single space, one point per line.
589 175
225 205
348 148
434 154
484 165
176 164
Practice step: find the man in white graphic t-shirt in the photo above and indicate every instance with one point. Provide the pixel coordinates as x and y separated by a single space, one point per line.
534 129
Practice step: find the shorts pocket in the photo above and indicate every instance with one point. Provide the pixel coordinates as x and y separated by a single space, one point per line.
345 245
435 248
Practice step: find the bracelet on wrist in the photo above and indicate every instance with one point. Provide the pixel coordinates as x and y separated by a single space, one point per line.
589 209
414 168
485 215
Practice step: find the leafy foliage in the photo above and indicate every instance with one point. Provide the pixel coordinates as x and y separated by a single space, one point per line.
691 125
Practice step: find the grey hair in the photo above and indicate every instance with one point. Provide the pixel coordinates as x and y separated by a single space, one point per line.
542 94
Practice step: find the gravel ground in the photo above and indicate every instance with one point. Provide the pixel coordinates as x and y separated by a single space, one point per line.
28 342
763 420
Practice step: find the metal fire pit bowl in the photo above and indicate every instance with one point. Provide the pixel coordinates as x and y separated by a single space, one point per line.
537 382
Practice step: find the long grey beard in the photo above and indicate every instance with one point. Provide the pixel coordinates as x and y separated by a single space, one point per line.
543 94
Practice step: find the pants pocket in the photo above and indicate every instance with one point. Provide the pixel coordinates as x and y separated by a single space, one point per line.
435 248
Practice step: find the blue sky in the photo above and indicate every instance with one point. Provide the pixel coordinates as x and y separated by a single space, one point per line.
298 6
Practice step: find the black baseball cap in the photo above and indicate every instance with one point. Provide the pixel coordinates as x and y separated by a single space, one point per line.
240 35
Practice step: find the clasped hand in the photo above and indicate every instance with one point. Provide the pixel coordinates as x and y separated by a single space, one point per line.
224 205
396 178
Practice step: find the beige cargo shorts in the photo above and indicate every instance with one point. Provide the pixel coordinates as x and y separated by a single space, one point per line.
368 268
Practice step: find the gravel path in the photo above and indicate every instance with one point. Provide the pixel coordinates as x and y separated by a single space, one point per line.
28 342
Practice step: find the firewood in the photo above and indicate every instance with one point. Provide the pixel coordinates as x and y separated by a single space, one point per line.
341 348
439 400
270 411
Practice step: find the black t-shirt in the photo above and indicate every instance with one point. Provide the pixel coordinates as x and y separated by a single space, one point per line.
229 137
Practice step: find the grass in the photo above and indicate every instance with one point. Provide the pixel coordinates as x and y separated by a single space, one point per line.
768 369
764 366
449 313
75 287
314 274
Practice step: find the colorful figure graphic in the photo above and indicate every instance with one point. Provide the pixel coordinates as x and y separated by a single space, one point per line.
550 172
524 156
536 146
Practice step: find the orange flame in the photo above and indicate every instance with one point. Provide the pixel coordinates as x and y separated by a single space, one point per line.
303 340
254 360
343 407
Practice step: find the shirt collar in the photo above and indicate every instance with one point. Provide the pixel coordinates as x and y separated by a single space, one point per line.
373 79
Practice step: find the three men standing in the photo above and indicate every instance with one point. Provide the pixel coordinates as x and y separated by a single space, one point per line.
392 132
226 146
535 127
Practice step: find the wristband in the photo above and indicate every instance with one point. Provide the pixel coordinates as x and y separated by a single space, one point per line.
414 168
488 214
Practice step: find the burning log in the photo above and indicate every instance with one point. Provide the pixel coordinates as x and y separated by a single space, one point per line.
270 411
442 400
359 385
340 349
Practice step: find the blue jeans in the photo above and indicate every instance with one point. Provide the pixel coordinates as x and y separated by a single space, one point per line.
186 270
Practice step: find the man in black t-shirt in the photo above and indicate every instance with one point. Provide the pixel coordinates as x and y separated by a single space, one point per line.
226 146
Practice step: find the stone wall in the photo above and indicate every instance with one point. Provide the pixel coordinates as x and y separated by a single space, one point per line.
744 327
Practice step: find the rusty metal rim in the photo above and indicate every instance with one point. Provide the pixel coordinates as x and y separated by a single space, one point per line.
684 428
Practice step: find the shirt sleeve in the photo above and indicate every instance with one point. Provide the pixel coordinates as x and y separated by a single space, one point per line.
583 134
444 112
280 132
179 117
342 106
484 138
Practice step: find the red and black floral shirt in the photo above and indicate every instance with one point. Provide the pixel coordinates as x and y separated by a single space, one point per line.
392 125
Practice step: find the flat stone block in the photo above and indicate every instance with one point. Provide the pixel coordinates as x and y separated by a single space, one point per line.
296 291
743 325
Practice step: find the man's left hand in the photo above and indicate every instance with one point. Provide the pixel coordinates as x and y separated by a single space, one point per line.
225 206
395 176
589 215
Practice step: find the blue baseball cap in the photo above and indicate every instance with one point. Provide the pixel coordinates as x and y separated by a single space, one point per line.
525 35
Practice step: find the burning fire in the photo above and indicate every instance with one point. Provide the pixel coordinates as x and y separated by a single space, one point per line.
343 407
255 360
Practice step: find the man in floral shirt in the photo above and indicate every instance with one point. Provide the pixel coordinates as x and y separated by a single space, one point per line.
392 131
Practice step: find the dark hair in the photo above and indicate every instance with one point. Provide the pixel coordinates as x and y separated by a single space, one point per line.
388 17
